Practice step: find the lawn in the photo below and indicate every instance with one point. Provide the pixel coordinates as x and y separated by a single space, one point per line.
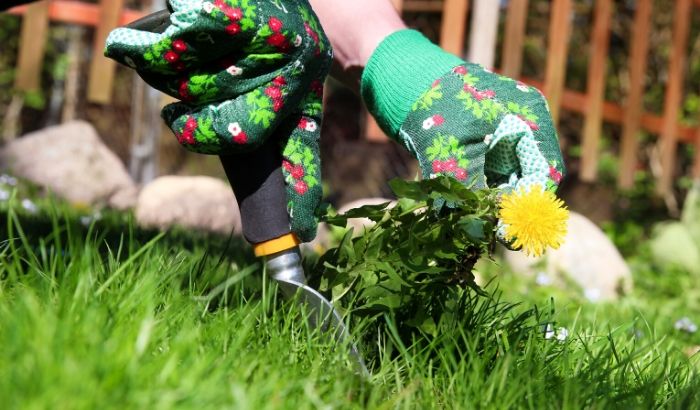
99 314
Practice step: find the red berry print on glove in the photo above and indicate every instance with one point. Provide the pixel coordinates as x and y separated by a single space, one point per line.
554 174
273 92
279 81
238 135
275 24
171 57
317 88
184 91
179 46
460 70
461 174
279 41
187 135
233 29
300 187
297 172
434 121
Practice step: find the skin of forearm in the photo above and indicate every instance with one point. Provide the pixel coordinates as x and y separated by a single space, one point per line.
355 28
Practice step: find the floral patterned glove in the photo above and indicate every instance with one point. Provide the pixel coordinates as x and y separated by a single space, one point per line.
243 71
484 129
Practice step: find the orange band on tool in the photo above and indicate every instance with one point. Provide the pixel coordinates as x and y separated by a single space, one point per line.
276 245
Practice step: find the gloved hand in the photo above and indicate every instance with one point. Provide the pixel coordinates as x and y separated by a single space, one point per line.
484 129
243 71
460 119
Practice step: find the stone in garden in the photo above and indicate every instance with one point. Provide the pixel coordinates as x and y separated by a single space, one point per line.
677 244
201 203
125 198
587 257
69 160
673 246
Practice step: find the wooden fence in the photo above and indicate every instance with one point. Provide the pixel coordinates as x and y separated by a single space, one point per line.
108 14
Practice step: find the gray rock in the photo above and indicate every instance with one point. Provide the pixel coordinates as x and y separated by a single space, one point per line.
125 198
69 160
672 245
201 203
587 257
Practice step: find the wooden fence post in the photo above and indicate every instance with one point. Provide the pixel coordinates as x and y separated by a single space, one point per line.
634 104
35 25
454 26
484 32
516 23
101 78
557 52
674 92
696 155
596 90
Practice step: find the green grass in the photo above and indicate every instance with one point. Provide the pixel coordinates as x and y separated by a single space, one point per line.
108 316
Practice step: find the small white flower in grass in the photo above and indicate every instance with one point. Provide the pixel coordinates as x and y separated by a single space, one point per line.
234 70
549 331
311 126
686 325
234 129
8 180
4 195
562 334
87 220
297 41
208 7
29 206
542 279
592 294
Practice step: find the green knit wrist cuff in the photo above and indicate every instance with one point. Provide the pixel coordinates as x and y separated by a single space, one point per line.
403 66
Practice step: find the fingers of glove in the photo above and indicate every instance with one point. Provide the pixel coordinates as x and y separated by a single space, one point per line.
301 167
501 157
199 33
233 126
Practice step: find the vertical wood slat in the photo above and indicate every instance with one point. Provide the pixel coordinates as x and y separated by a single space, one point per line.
696 156
372 131
454 26
484 32
674 90
596 90
32 47
102 69
398 5
514 38
555 74
634 104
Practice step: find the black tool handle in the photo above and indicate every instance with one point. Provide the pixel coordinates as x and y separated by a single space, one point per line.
155 22
258 183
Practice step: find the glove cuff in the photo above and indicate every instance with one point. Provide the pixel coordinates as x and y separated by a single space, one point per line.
403 65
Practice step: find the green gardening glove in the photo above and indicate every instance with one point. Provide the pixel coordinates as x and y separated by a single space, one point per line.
243 70
459 119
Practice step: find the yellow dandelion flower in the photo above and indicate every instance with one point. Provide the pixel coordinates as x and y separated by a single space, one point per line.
535 219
